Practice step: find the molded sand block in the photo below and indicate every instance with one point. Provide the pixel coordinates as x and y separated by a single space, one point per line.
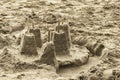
95 48
99 49
28 45
61 43
49 56
37 34
66 29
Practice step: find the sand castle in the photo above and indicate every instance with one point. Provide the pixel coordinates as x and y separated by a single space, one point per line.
59 49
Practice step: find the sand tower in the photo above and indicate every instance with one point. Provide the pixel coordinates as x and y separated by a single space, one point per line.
28 45
37 34
49 56
65 28
62 39
61 43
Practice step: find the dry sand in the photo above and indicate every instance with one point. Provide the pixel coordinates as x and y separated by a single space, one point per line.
98 19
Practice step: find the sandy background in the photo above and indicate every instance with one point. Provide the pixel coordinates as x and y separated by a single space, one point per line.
98 19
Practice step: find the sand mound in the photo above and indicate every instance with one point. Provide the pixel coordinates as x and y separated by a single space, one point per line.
7 60
10 63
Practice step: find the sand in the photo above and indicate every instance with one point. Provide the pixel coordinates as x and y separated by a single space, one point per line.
97 19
